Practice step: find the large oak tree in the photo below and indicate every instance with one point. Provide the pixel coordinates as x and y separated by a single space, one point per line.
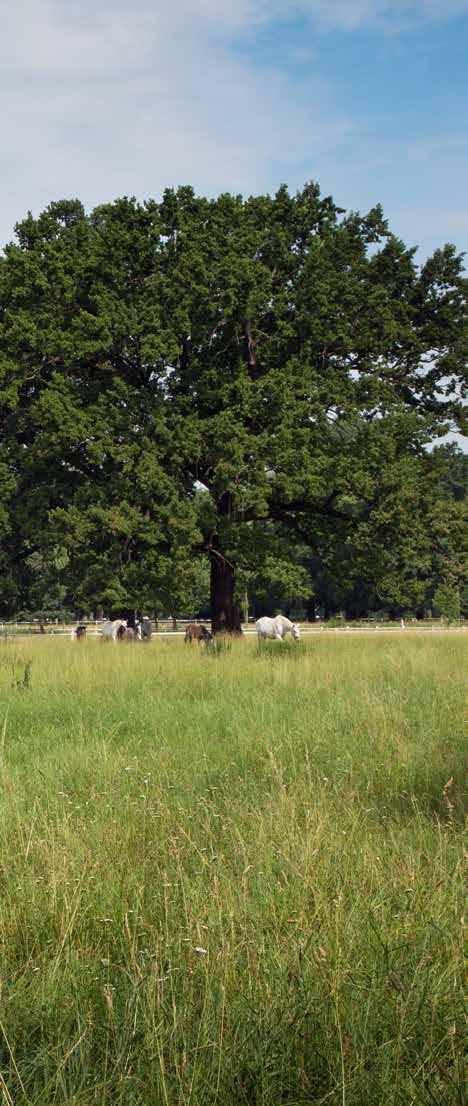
288 358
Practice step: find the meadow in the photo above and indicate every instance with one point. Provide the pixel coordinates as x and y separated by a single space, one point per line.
232 877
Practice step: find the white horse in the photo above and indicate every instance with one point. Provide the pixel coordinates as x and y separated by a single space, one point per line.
110 629
277 628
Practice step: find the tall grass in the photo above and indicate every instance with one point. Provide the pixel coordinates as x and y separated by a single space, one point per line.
231 877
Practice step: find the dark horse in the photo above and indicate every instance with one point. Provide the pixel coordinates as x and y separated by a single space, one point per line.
80 633
194 632
126 633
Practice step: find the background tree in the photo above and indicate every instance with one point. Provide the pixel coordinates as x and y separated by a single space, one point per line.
409 535
184 592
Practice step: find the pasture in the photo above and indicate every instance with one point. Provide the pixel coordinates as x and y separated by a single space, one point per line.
232 876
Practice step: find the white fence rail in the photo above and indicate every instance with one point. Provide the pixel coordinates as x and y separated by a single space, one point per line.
13 631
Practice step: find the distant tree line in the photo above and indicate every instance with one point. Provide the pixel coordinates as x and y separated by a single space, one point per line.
213 404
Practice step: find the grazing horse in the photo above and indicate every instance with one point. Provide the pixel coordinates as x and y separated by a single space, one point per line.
80 633
110 630
127 633
276 628
194 632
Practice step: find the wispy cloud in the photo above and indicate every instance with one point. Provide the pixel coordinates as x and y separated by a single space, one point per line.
104 99
348 15
133 99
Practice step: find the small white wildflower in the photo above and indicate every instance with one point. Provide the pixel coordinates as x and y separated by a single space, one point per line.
201 952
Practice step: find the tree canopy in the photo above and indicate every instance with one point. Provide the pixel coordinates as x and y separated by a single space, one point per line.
250 381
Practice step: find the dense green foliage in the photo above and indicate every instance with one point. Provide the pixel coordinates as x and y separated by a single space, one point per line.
246 898
253 382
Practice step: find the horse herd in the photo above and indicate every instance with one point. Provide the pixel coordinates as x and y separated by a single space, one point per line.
123 630
141 630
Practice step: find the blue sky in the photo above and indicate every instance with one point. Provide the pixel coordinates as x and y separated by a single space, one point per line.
369 98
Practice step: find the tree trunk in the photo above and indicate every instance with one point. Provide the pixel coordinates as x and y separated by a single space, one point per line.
311 611
246 608
225 615
249 345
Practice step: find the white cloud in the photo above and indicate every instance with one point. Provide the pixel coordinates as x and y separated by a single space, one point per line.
131 99
56 36
104 99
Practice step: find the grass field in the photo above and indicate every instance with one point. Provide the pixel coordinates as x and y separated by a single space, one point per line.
232 878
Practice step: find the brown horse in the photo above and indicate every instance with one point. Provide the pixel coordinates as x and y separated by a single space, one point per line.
194 632
80 633
126 633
